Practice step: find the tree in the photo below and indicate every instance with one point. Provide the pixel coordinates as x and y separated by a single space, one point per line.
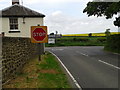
107 32
90 34
117 22
107 9
52 34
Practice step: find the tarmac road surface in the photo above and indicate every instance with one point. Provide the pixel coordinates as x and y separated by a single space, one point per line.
90 65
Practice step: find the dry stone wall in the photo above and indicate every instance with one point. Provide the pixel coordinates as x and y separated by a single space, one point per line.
15 53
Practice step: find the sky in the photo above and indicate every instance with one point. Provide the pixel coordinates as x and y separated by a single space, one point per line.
66 16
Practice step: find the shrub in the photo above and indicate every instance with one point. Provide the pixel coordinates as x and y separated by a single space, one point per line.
113 43
101 39
74 39
90 34
81 39
84 39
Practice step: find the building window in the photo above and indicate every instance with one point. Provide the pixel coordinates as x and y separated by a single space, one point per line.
13 23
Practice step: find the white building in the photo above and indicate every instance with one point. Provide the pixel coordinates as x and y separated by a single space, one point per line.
17 20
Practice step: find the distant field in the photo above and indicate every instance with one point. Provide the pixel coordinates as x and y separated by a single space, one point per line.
98 39
93 34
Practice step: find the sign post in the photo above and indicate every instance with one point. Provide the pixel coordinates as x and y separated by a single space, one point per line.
39 35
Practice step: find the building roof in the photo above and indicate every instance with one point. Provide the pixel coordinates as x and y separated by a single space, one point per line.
17 10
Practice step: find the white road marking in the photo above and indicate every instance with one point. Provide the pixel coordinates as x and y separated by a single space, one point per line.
57 49
109 64
116 53
82 53
76 83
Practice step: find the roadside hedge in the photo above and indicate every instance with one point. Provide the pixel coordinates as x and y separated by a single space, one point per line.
81 39
101 40
113 43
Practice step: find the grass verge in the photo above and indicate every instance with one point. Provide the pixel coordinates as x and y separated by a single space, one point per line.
44 74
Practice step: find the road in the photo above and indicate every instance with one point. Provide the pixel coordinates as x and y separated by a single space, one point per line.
90 65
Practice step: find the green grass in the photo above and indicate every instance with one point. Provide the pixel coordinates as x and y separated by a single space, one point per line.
56 80
40 74
79 41
53 81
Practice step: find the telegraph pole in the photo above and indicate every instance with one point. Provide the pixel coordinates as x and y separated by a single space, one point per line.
56 36
118 26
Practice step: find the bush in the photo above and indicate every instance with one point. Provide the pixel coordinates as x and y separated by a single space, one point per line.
101 39
84 39
81 39
113 43
74 39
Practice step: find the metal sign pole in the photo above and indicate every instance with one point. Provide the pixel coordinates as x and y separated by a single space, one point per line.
39 58
39 51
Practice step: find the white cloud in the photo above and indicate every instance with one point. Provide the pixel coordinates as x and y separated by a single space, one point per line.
58 21
54 1
57 13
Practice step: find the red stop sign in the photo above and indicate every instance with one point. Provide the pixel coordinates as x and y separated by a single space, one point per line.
39 34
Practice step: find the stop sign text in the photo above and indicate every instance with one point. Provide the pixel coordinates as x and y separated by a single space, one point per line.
39 34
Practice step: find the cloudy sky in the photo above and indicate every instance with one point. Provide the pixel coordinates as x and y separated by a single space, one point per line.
66 16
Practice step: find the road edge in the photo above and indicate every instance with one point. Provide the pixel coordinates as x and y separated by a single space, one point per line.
68 72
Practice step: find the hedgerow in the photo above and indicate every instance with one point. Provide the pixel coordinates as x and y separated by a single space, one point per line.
113 43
